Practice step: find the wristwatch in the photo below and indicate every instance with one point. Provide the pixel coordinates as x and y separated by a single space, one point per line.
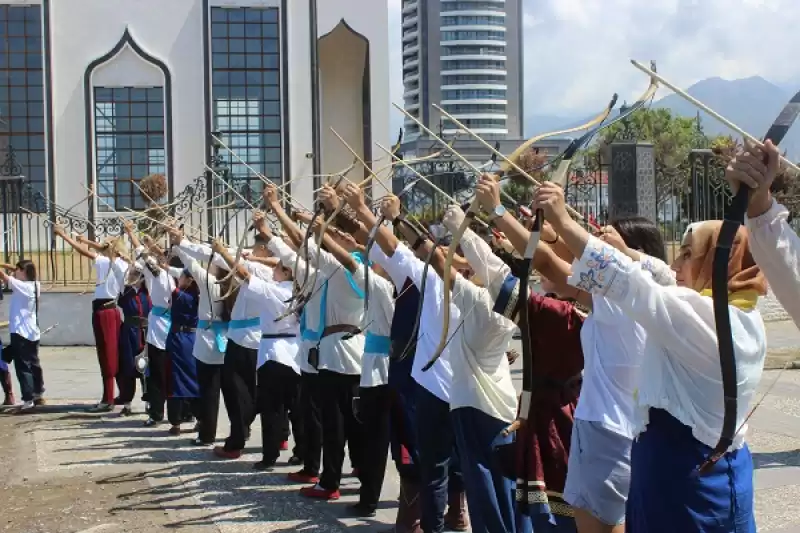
498 212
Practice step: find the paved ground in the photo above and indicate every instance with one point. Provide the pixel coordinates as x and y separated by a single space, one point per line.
66 471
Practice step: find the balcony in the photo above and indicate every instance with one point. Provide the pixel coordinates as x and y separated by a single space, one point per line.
410 7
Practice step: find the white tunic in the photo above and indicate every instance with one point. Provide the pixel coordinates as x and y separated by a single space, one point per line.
680 367
108 284
22 308
343 307
405 265
210 308
160 288
269 298
375 365
776 248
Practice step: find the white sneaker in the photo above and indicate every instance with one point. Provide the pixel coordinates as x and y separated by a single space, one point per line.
27 405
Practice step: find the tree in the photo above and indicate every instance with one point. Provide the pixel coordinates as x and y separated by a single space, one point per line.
519 187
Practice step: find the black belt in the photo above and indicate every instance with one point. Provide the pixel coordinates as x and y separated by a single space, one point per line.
183 329
278 336
103 303
136 321
340 328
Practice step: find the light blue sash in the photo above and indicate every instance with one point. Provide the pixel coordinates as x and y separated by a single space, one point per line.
220 329
379 345
160 311
245 323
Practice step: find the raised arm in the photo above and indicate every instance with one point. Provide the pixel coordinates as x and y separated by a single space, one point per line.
330 199
130 231
82 249
291 229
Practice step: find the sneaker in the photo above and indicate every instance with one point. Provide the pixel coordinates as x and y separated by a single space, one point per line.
174 430
27 406
39 401
319 493
199 442
303 477
284 445
126 411
151 422
295 461
222 453
101 407
264 465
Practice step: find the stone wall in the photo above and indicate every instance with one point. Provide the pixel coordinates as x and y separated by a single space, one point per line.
771 309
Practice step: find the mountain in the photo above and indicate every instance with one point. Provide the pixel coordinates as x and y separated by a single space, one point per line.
751 103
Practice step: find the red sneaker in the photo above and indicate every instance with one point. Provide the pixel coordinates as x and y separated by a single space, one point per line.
222 453
319 493
285 445
303 477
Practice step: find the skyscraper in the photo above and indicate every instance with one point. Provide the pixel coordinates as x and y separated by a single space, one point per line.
465 55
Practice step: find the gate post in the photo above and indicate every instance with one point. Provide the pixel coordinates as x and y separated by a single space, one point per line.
632 181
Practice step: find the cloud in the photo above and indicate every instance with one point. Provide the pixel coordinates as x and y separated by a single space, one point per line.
577 52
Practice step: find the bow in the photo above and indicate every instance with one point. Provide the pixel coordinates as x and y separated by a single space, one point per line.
472 211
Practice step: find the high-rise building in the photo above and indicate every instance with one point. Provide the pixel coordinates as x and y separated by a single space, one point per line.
465 55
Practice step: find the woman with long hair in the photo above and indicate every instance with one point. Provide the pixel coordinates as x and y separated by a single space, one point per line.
678 396
24 328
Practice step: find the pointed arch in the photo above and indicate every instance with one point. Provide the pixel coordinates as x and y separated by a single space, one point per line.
126 41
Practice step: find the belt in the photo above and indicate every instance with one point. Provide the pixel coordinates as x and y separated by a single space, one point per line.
183 329
340 328
278 336
103 303
138 321
245 323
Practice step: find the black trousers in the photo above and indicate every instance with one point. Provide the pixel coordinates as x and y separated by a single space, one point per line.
156 380
311 399
179 410
127 388
278 392
239 392
27 366
339 425
206 407
373 411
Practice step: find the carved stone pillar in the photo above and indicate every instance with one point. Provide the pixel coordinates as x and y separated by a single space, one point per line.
632 181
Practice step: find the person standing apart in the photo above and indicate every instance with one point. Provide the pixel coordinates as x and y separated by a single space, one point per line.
24 328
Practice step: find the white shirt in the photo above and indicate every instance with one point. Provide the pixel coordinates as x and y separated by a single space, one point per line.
269 298
243 309
482 376
343 307
375 365
205 342
405 265
108 285
22 308
680 370
776 248
160 288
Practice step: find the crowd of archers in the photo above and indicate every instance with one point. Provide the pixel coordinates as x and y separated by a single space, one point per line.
626 402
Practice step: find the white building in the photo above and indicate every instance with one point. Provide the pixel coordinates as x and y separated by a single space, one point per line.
104 91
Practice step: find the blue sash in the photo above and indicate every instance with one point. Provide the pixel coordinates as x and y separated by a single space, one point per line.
309 334
220 329
245 323
379 345
160 311
349 276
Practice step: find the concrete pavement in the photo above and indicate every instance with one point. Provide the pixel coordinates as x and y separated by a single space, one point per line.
202 494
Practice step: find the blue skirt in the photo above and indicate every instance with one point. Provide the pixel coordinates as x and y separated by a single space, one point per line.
668 495
181 366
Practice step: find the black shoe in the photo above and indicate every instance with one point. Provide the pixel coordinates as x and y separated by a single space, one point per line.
264 465
362 510
126 411
198 442
118 401
295 461
151 422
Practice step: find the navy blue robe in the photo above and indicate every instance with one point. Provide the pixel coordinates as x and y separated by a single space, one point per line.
181 364
134 302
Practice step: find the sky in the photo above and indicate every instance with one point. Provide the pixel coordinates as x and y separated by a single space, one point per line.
577 52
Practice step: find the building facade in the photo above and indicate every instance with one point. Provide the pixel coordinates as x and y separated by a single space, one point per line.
102 92
465 55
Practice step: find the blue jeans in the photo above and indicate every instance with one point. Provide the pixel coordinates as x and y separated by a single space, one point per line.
439 468
489 493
